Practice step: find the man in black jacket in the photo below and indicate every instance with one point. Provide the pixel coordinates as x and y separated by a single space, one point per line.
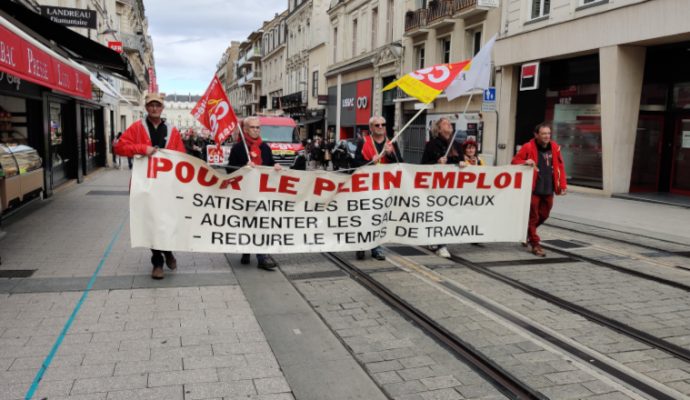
435 153
259 154
435 149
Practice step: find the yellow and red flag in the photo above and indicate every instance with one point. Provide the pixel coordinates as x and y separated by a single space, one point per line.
427 83
215 112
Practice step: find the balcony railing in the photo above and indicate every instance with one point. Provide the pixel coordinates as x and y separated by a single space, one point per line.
440 10
462 5
415 19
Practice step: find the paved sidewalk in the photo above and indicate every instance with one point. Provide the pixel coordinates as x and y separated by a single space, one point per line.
192 335
649 219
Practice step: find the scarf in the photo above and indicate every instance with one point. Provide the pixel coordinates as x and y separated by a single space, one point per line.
473 161
254 148
369 150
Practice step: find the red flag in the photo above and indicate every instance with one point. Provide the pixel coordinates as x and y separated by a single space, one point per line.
215 112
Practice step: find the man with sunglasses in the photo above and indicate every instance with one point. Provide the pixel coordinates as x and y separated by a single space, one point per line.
145 137
375 148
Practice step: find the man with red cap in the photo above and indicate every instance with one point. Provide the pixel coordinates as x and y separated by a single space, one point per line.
144 137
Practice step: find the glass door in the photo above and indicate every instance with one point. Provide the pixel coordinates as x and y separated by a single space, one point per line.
680 170
647 158
57 148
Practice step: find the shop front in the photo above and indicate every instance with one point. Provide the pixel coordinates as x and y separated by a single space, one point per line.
565 93
355 108
662 145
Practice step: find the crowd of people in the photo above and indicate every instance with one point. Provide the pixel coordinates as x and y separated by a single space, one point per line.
146 136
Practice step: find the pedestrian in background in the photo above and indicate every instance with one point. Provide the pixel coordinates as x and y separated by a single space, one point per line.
435 153
259 154
377 149
194 144
544 155
144 138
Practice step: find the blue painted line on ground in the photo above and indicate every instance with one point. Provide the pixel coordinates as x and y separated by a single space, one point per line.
68 324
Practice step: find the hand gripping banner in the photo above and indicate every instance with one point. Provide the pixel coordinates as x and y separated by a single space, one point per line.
180 203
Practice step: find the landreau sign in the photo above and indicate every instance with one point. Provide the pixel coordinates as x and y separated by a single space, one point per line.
71 16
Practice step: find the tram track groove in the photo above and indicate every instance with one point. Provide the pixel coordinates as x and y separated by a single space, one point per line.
627 330
640 384
488 369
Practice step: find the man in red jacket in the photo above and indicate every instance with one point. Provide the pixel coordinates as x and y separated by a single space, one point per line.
144 138
549 177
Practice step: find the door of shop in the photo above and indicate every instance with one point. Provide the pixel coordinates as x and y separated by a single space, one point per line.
647 158
680 178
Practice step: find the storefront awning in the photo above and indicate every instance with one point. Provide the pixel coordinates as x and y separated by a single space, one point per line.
24 57
79 48
106 87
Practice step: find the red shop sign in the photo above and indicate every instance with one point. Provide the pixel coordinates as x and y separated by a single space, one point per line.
115 46
20 58
363 102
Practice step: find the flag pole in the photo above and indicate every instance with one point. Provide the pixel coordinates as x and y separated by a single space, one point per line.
397 135
249 157
452 140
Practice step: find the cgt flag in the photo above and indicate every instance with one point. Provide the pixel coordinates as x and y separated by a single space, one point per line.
215 113
427 83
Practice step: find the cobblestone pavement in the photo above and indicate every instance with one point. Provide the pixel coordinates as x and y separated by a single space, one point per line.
664 259
189 336
195 335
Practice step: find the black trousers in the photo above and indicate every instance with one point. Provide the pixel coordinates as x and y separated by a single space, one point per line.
158 257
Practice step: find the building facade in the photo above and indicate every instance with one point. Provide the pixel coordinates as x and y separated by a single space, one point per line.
225 69
178 111
273 63
439 32
617 104
298 20
248 71
364 54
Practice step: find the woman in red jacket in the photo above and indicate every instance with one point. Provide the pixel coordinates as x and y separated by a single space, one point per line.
549 177
145 137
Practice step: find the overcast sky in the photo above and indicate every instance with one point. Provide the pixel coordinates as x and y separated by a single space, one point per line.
189 37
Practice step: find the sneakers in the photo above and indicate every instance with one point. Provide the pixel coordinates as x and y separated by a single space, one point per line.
157 272
538 251
360 255
377 253
245 259
267 263
443 252
170 261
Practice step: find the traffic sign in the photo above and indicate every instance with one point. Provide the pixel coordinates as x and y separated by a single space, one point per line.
490 95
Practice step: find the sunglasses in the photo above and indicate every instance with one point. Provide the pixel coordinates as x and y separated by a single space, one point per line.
380 125
254 127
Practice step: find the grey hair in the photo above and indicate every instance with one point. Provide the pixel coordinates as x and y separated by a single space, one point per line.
248 119
374 118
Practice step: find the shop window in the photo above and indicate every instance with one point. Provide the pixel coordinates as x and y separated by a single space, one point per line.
419 57
575 113
681 95
540 8
445 50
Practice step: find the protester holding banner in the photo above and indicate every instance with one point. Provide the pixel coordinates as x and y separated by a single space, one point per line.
435 149
145 137
469 153
435 153
549 177
260 154
376 148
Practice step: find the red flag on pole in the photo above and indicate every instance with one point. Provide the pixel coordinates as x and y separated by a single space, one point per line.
215 112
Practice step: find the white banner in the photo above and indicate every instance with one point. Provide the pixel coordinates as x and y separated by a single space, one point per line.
180 203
